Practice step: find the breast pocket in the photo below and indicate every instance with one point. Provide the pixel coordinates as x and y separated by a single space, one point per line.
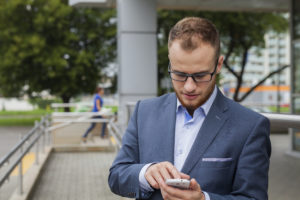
216 162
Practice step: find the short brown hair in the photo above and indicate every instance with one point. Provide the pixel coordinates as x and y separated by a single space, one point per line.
191 28
98 89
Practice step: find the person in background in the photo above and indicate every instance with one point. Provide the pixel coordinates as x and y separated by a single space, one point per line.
98 104
195 133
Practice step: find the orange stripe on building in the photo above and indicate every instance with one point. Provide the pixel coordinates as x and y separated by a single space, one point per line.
264 88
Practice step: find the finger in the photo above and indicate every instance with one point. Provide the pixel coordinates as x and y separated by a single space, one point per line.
184 176
194 185
167 196
172 192
158 178
152 182
164 172
153 175
173 171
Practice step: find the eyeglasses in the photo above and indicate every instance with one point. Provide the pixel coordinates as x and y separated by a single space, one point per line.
197 77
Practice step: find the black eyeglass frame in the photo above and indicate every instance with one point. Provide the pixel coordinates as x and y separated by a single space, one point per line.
192 75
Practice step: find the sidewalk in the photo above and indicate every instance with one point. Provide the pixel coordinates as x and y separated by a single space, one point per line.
75 176
83 175
284 175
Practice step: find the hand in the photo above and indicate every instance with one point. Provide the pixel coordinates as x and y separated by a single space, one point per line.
172 193
159 172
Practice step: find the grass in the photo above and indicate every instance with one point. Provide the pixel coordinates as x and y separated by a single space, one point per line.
282 109
30 112
21 118
27 118
28 121
114 109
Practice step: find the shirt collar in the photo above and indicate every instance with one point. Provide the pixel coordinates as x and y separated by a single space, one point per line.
207 105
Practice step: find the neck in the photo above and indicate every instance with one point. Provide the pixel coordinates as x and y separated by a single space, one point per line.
190 111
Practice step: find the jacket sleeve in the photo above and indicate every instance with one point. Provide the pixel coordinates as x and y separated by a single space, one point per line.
124 173
251 177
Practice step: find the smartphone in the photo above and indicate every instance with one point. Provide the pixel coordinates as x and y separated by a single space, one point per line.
178 183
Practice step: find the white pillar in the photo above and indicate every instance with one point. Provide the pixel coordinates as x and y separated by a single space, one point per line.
137 53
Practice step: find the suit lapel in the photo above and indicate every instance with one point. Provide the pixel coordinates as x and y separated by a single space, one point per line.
168 128
209 130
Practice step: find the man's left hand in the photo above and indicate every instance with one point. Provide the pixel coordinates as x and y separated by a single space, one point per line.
172 193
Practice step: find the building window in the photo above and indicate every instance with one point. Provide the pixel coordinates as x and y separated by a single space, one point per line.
296 19
297 67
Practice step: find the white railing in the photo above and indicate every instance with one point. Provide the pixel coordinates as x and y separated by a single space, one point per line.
283 120
23 147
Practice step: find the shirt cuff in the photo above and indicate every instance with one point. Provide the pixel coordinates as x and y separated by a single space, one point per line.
206 196
143 182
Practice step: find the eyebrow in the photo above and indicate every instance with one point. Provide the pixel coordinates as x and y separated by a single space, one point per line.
204 72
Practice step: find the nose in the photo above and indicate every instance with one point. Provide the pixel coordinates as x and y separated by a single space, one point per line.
190 85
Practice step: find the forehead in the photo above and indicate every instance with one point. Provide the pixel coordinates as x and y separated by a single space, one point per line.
199 59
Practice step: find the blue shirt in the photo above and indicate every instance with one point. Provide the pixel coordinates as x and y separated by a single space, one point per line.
97 97
186 130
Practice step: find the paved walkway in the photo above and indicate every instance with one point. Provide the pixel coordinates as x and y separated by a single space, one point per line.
75 176
84 175
284 171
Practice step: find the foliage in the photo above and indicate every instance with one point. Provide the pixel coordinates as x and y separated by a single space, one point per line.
48 45
242 31
239 32
42 103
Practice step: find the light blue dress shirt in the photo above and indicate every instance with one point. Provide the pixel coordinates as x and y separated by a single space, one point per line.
186 130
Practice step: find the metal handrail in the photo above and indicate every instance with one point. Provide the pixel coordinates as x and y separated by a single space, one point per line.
115 132
20 143
277 120
106 112
20 157
283 120
84 117
43 124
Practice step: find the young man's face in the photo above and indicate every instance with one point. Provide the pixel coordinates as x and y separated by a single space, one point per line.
202 59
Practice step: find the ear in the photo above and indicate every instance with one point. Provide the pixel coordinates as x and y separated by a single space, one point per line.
220 63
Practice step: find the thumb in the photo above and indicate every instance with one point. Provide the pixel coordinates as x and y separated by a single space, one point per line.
194 185
184 176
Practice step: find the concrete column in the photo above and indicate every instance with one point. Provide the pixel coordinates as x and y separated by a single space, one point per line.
137 53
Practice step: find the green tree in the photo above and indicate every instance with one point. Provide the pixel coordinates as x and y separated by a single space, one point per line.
48 45
238 31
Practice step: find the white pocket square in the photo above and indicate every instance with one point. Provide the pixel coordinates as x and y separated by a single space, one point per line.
216 159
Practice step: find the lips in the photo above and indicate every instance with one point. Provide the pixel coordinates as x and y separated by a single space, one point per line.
190 96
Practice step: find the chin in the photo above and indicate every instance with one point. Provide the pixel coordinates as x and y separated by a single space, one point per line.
192 105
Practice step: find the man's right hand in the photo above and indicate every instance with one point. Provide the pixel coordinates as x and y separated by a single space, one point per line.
159 172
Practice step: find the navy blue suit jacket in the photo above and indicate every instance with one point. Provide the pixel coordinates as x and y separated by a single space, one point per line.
229 158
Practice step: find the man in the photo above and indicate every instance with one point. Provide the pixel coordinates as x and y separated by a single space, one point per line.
197 134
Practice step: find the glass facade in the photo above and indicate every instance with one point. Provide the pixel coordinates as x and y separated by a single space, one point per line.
296 18
296 57
297 106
